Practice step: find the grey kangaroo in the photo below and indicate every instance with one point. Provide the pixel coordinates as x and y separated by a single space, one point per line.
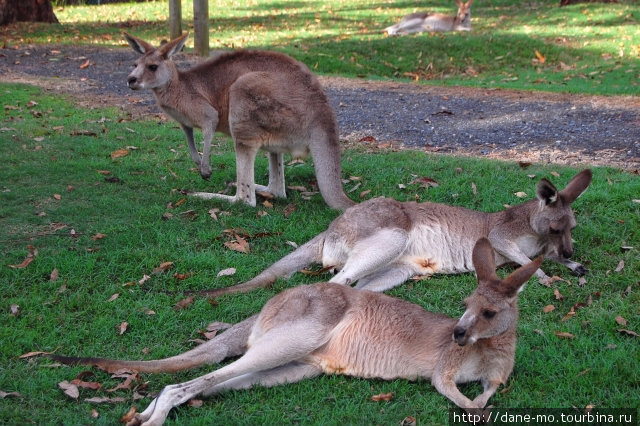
333 329
380 243
434 22
264 100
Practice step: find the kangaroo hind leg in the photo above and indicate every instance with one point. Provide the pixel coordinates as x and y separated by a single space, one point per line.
371 254
279 346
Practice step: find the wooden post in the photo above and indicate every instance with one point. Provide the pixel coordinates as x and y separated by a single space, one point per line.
201 27
175 19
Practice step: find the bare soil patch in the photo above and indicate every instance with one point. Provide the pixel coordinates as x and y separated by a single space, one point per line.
503 124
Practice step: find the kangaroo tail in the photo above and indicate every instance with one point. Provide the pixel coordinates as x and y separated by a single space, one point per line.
232 342
304 255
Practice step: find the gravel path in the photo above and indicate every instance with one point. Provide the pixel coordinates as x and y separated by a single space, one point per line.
526 126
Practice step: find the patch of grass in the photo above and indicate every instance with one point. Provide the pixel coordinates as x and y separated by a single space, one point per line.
585 48
52 147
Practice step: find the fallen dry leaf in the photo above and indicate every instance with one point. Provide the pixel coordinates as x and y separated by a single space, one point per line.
114 297
408 421
289 209
267 204
556 174
85 64
32 252
520 194
540 57
144 279
184 303
86 385
629 332
164 266
181 277
119 153
7 394
620 320
557 293
425 182
226 272
620 266
382 397
297 188
129 379
14 310
105 400
98 236
123 327
365 193
34 353
548 309
94 413
239 244
69 389
563 334
54 275
129 415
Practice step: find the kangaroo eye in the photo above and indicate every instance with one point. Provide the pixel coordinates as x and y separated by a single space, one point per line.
488 314
152 67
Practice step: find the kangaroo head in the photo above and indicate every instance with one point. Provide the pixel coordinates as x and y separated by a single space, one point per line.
463 17
154 68
492 308
553 217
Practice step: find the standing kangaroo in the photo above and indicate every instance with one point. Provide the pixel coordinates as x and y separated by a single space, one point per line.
333 329
264 100
382 242
434 22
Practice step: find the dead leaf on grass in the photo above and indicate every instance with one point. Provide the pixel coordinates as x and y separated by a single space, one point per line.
9 394
563 335
105 400
14 310
94 413
85 64
86 385
548 309
557 293
365 193
520 194
184 303
163 267
620 320
425 182
114 297
629 332
54 275
239 244
620 266
118 153
408 421
144 279
34 353
98 236
32 252
181 277
123 327
226 272
69 389
129 416
382 397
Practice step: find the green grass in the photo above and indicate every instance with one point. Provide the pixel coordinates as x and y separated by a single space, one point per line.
44 153
587 48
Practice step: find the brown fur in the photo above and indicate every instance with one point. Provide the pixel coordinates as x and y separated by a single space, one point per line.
264 100
333 329
380 243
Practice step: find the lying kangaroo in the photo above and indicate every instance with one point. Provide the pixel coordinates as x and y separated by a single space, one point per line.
333 329
264 100
381 243
434 22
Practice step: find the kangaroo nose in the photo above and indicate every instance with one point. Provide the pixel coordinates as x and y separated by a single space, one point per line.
459 332
567 253
131 80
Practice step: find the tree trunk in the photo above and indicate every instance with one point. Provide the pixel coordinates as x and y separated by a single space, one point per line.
26 10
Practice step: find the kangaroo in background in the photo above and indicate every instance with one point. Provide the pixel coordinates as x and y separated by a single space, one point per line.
263 100
434 22
328 328
380 243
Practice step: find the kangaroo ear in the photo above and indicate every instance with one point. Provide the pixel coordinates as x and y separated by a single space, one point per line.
174 46
576 186
484 260
137 44
546 192
514 283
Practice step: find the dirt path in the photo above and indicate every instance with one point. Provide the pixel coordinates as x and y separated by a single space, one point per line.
526 126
